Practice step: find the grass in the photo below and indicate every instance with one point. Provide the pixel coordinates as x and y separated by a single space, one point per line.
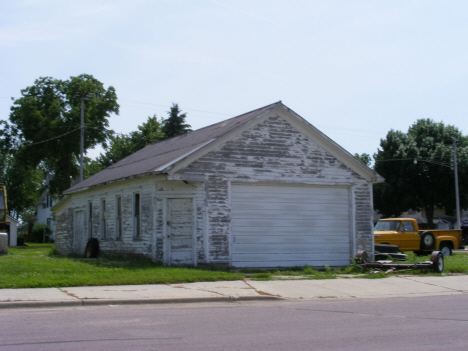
37 266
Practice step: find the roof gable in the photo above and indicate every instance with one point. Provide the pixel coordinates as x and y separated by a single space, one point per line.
167 156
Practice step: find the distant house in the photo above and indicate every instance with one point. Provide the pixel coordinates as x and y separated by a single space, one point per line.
44 206
263 189
11 227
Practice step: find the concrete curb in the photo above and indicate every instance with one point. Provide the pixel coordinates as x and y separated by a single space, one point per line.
101 302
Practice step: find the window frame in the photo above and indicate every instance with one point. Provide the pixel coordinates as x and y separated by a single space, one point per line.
118 217
136 215
90 219
103 219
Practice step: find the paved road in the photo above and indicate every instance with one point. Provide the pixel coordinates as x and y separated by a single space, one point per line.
392 323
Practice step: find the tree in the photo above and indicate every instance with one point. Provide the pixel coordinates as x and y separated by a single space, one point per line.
46 121
121 146
364 158
23 183
418 168
175 125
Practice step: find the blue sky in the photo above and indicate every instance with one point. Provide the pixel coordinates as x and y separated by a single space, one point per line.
353 69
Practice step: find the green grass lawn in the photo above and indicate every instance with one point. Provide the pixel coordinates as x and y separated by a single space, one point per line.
35 266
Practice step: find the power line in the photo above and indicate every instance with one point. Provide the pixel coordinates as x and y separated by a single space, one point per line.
44 141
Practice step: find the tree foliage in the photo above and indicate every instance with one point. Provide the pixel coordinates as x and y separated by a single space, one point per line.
23 183
364 158
175 124
152 131
45 121
428 182
121 146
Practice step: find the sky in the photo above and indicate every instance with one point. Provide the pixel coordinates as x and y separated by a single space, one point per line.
353 69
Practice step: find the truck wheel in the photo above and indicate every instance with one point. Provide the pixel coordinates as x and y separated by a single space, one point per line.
92 248
427 241
446 249
437 259
386 248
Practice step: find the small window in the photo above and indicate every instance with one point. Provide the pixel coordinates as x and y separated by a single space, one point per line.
103 218
136 215
90 219
118 217
408 227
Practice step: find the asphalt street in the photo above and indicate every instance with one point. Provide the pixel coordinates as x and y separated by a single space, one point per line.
385 323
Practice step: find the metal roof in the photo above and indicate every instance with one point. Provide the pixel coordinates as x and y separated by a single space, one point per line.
155 157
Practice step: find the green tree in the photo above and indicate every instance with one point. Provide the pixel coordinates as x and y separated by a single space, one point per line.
428 182
364 158
23 183
175 124
46 121
121 146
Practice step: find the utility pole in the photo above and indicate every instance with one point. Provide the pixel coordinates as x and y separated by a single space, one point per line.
455 168
82 137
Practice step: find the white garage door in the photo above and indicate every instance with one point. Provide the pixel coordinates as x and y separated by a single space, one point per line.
281 226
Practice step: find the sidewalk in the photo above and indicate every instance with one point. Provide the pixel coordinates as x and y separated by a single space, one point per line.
401 286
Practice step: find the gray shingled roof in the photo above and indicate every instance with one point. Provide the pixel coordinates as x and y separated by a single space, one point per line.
153 158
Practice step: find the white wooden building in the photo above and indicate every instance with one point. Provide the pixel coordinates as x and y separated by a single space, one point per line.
263 189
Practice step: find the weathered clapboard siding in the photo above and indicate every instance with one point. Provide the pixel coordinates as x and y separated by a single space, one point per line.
127 244
275 152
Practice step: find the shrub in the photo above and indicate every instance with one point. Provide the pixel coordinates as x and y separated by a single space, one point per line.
37 233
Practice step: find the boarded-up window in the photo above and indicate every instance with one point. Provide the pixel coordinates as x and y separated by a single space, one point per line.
90 219
136 215
103 218
118 217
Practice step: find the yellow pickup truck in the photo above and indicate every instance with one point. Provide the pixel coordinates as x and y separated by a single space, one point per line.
405 233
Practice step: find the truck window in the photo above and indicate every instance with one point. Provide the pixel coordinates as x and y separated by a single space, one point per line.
408 227
388 226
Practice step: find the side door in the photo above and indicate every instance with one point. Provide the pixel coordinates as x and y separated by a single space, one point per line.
409 238
78 233
179 231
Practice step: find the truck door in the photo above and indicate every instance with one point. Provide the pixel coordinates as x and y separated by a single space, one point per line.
409 237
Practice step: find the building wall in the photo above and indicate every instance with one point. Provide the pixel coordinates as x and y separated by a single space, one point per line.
44 213
271 152
274 152
127 244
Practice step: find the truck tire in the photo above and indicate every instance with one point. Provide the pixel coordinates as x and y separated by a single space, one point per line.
427 241
437 259
446 249
386 248
92 248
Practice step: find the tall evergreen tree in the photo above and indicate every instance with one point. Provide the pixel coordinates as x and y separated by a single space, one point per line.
175 124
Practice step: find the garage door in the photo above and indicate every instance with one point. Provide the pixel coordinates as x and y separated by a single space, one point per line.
282 226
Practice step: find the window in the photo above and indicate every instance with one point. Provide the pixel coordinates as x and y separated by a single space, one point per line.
90 219
408 227
118 217
136 215
103 218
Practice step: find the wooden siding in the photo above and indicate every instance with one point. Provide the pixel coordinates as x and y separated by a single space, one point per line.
274 151
127 244
271 152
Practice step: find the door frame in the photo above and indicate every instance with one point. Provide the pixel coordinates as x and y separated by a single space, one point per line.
167 241
74 230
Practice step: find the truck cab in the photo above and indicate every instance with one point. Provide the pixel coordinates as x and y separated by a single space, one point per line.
405 233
